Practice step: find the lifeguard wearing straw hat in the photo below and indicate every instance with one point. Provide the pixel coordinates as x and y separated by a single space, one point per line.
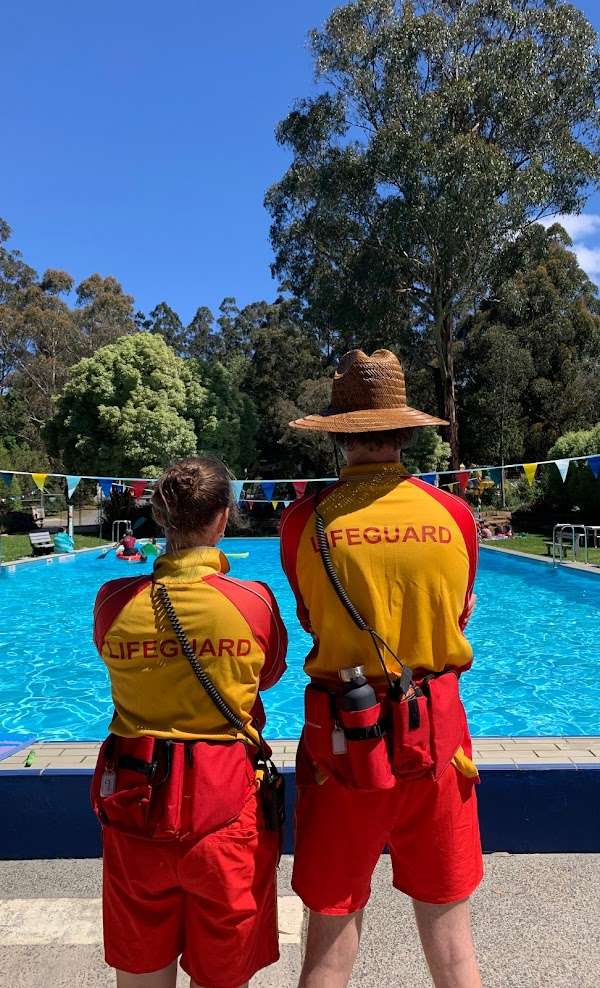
368 394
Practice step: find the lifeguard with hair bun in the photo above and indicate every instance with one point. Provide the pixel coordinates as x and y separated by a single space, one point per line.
185 772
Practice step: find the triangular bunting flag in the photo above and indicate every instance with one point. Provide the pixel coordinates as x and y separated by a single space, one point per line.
268 487
236 489
39 479
275 504
137 487
463 479
300 487
563 468
72 485
530 469
7 478
105 485
593 463
430 478
286 504
495 475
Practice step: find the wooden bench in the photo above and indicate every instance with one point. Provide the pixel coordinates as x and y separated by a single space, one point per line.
41 543
565 547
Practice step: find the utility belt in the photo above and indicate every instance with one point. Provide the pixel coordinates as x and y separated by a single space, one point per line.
161 789
404 735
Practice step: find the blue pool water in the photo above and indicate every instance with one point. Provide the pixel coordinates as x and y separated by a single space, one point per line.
536 636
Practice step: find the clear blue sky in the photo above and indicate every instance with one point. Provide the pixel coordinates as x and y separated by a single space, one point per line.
138 140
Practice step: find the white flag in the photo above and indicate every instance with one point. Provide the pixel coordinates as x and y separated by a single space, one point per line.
563 468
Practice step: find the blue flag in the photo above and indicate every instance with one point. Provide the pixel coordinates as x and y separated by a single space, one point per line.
268 487
430 478
72 484
236 488
7 478
105 484
495 475
593 463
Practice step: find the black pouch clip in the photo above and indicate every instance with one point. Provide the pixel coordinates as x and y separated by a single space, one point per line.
272 792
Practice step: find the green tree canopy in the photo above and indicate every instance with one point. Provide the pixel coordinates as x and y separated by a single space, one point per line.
440 130
128 410
105 311
528 369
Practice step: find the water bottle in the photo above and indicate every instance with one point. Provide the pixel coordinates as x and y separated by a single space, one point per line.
357 692
360 712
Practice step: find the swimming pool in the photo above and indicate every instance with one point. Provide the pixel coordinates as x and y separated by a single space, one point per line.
535 633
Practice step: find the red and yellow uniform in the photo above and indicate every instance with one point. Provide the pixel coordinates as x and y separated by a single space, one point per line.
213 898
234 628
406 553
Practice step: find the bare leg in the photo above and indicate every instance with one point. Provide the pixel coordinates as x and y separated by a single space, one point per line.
331 949
194 984
447 941
166 978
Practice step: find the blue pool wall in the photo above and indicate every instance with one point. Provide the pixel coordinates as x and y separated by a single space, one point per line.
46 813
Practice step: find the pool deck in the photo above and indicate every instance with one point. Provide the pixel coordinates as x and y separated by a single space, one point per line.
533 918
501 752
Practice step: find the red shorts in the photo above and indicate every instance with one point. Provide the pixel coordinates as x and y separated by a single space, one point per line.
213 900
431 830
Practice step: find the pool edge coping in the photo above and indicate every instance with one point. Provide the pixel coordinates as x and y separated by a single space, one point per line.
51 557
582 568
523 753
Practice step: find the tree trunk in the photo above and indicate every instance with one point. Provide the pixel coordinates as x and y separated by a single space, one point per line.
446 341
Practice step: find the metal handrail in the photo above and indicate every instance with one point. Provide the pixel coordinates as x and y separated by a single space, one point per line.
576 532
115 527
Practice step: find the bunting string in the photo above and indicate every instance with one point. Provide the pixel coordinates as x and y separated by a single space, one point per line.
464 477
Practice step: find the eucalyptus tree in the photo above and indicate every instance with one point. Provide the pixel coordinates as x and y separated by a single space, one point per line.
440 129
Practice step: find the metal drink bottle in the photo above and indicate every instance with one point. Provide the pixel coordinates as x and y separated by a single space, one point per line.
357 693
360 712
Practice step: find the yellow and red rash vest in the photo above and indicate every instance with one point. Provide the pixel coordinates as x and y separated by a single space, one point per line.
234 627
406 553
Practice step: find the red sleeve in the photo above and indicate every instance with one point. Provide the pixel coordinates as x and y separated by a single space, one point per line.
463 516
111 599
293 522
258 607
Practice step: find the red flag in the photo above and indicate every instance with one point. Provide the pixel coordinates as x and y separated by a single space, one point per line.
138 487
463 479
300 487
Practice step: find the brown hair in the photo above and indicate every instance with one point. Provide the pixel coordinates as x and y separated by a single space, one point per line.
386 437
189 495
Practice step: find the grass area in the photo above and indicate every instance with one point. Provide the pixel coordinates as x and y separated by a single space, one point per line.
535 546
18 546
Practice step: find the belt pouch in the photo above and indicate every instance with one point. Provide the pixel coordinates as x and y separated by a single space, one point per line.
165 808
367 749
446 717
320 727
218 778
411 745
127 807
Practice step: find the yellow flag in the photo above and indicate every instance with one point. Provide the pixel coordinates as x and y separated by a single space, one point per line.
275 503
530 469
39 479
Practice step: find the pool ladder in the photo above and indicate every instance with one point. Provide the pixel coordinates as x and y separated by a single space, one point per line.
577 531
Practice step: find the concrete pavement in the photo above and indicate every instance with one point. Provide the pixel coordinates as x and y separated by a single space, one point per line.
536 920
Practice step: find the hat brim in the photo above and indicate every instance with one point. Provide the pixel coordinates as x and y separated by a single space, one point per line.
367 420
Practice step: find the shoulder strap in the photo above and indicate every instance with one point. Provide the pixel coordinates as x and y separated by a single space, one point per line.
166 607
405 680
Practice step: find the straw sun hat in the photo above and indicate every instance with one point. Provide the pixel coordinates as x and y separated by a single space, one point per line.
368 395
